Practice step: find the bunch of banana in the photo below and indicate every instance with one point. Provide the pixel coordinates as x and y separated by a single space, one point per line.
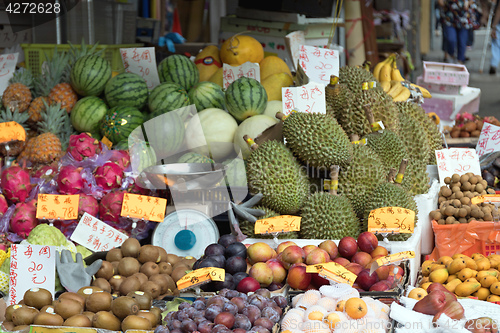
391 80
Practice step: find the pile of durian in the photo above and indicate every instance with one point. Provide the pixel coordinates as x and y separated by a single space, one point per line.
319 141
455 205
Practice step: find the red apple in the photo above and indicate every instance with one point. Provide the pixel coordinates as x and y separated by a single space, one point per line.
341 261
379 251
279 272
309 248
366 280
293 254
330 247
317 256
248 284
297 277
380 286
354 268
383 272
367 241
361 258
283 246
348 247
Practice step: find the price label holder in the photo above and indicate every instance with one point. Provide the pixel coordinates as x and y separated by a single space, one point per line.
488 198
333 272
201 276
395 258
391 220
57 207
143 207
278 224
107 142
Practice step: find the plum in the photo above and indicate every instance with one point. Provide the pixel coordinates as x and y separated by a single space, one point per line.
236 249
230 307
228 283
257 300
242 321
232 293
184 305
225 318
264 322
237 277
259 329
189 325
214 250
216 300
199 305
227 239
235 265
252 312
271 313
239 302
205 326
263 292
280 301
212 311
182 315
219 328
161 329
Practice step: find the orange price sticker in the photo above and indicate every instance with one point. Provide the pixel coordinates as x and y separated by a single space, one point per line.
11 131
107 142
200 276
54 206
333 271
282 223
400 256
143 206
485 198
391 220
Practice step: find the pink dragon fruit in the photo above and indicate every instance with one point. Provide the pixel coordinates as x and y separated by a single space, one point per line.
120 157
88 204
110 206
3 205
24 218
69 180
44 171
109 176
16 185
83 146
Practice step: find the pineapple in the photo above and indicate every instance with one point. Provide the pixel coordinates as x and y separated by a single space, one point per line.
13 148
18 93
36 108
76 53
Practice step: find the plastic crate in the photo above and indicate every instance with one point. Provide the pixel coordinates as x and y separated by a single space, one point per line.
35 54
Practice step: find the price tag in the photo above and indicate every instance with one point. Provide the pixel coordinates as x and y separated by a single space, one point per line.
232 73
456 160
334 272
485 198
7 68
392 258
489 139
141 61
282 223
391 220
11 131
200 276
31 266
96 235
144 207
293 41
360 142
48 329
308 98
54 206
319 64
107 142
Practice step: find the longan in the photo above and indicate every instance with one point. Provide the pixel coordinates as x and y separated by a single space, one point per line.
466 186
465 200
447 180
459 195
473 180
479 188
484 183
490 191
455 177
462 212
470 219
467 208
462 220
469 194
455 189
450 220
449 211
441 221
475 213
441 199
488 217
464 178
446 191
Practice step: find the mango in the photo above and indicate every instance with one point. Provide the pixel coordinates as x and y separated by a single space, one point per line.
273 84
471 263
458 255
467 288
456 265
482 293
465 273
495 288
483 264
444 260
439 275
452 285
436 266
426 267
487 280
476 256
493 298
451 277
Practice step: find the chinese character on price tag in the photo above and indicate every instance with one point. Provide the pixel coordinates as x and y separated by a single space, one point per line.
293 41
456 160
282 223
489 140
144 207
333 271
200 276
232 73
141 61
54 206
96 235
7 68
11 131
308 98
391 220
319 64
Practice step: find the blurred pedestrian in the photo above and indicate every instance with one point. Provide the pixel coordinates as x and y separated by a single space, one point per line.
495 40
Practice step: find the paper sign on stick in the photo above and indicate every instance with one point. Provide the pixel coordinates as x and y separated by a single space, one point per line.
200 276
232 73
293 41
141 61
319 64
31 266
11 131
282 223
489 140
391 219
333 271
96 235
456 160
7 68
309 98
54 206
144 207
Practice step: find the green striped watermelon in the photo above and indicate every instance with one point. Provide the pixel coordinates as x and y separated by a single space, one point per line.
192 157
245 97
120 121
122 145
87 113
206 95
165 133
167 97
127 89
142 155
179 69
89 75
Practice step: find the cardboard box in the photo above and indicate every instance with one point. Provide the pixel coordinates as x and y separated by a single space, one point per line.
446 89
442 73
385 30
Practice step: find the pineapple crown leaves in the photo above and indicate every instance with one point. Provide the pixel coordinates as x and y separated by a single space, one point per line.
54 120
19 117
55 70
76 53
23 76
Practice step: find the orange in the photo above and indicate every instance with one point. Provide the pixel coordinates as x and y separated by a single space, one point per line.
239 49
355 307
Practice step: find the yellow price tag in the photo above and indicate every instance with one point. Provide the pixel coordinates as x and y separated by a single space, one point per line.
334 272
55 206
400 256
143 206
11 131
282 223
46 329
391 219
200 276
107 142
485 198
359 142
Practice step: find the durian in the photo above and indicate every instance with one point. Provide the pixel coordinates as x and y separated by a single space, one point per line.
273 171
388 146
317 139
416 179
412 134
353 77
248 228
328 215
335 94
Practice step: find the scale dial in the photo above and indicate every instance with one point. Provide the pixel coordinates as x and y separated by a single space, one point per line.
186 232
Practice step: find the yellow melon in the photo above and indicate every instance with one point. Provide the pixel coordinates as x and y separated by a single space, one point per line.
239 49
274 83
207 62
217 77
271 65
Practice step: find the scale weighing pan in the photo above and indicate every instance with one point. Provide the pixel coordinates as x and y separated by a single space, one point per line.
184 176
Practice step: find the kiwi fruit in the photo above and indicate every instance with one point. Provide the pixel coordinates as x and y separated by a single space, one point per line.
124 306
48 308
130 247
143 298
67 307
74 296
153 288
148 253
142 277
128 266
8 326
114 255
179 272
10 309
49 319
162 281
130 284
24 315
106 270
173 258
87 291
149 316
115 282
163 254
89 315
150 268
103 284
189 261
79 320
37 297
21 328
106 320
157 312
165 268
115 267
135 322
99 302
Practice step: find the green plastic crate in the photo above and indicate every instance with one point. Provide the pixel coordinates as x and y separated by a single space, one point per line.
34 54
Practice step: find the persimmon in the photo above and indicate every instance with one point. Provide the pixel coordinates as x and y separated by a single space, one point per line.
355 307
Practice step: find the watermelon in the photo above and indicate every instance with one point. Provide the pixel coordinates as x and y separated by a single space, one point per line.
167 97
119 122
179 69
194 158
87 113
236 174
122 145
127 89
89 75
245 97
206 95
142 155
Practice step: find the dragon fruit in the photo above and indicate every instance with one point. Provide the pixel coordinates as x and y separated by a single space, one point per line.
15 182
24 218
83 146
69 180
109 176
88 204
3 205
120 157
110 206
43 171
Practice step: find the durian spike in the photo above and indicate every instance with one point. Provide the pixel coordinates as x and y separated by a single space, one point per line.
280 116
390 176
253 146
402 168
334 176
354 137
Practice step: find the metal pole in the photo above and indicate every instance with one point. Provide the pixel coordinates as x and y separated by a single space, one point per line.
487 38
90 22
58 26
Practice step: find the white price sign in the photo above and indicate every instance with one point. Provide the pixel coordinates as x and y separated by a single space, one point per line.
489 140
232 73
457 160
319 64
96 235
7 68
141 61
308 98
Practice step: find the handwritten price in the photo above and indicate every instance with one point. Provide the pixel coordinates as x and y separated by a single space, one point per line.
200 276
144 207
283 223
400 256
62 207
391 219
334 272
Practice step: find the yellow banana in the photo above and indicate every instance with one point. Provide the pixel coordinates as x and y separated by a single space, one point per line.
385 72
386 85
425 92
403 96
396 88
395 73
378 67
